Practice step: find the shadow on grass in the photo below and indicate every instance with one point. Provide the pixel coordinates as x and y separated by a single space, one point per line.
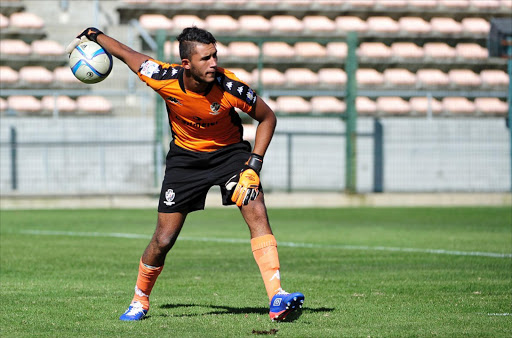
220 310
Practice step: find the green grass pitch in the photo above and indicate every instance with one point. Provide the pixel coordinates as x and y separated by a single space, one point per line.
365 272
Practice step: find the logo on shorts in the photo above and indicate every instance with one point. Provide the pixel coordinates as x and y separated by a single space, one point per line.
169 197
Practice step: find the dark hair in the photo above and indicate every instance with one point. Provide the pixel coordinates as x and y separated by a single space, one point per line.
190 37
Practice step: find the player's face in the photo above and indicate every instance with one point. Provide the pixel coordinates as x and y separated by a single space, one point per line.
203 62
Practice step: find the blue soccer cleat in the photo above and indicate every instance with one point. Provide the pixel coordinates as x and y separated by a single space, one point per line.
134 312
283 303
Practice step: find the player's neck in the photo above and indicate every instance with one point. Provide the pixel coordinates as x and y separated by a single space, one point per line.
193 85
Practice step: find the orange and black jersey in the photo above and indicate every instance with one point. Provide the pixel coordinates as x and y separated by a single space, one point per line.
200 122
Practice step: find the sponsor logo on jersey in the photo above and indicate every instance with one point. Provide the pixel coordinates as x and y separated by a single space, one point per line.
250 96
202 125
240 90
174 100
148 68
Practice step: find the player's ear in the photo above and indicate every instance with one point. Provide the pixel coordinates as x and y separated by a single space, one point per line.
185 63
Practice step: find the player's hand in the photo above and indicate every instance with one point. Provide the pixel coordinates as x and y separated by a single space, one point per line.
245 184
90 34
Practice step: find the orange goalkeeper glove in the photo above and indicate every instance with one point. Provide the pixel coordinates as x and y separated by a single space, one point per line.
246 183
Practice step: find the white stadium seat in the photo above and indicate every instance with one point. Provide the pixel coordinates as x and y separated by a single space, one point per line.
24 103
414 25
365 106
369 77
278 49
243 75
377 50
382 24
318 23
94 104
407 50
337 49
470 50
243 49
8 75
293 104
490 105
310 49
269 77
301 77
61 103
286 23
221 23
464 78
494 78
439 50
65 76
421 105
4 21
182 21
393 105
476 26
153 22
332 76
14 47
445 25
254 23
432 77
36 75
26 20
327 104
458 105
351 23
399 77
47 47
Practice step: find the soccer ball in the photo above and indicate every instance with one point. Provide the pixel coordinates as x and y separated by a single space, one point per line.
90 63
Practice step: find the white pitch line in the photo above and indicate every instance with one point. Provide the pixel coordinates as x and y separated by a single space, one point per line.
283 244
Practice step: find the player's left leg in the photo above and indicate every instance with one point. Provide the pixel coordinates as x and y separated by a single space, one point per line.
264 248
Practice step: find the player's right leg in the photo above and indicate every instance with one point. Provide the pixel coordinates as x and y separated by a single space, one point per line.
151 264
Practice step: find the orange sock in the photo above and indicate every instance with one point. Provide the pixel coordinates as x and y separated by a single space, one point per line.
264 249
145 281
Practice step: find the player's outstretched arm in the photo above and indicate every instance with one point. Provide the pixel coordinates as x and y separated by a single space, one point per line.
133 59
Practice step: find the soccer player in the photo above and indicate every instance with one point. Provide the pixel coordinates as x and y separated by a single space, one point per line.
207 149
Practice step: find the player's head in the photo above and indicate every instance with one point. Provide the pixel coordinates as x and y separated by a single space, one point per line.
198 53
190 37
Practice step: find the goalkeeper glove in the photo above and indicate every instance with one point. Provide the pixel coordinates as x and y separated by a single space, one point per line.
245 184
90 34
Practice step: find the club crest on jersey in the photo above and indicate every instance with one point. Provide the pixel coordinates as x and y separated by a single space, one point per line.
250 95
215 108
169 197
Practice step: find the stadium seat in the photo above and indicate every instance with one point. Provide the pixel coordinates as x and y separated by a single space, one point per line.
407 50
24 104
490 106
65 76
337 49
301 77
318 23
293 104
421 105
414 25
382 24
222 50
375 50
423 4
3 105
14 47
222 23
243 49
36 75
26 20
458 105
243 75
399 77
4 21
365 106
332 76
269 77
455 4
182 21
278 50
469 50
254 23
361 3
494 78
369 77
153 22
464 78
439 50
351 23
94 104
8 76
310 49
61 103
327 104
392 4
485 4
393 105
286 23
506 4
431 77
172 50
47 47
476 26
445 25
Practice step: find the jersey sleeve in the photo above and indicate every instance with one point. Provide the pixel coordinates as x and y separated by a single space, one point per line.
156 74
241 95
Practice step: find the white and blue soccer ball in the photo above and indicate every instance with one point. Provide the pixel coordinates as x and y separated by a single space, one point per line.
90 63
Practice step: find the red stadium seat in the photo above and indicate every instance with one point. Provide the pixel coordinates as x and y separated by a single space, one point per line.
377 50
407 50
421 105
458 105
399 77
222 23
491 105
8 76
332 76
310 49
36 75
301 77
153 22
464 78
24 104
327 104
393 105
293 104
